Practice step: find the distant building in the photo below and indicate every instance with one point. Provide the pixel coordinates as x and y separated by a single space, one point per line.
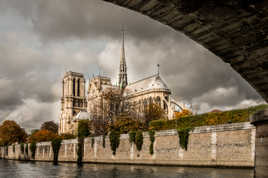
75 105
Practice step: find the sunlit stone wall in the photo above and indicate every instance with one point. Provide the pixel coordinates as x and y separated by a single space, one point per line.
223 145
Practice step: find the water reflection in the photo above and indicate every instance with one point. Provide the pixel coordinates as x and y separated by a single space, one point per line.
18 169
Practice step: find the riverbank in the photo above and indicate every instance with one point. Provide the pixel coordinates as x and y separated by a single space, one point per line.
227 145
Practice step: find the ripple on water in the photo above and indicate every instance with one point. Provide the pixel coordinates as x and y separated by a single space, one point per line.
17 169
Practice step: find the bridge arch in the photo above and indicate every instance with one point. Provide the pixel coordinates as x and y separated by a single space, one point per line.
234 30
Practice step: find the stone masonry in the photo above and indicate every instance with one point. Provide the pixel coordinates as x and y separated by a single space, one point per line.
260 120
231 145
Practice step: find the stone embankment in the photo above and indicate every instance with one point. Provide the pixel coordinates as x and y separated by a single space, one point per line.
231 145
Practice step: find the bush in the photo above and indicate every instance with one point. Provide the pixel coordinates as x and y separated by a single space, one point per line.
159 124
22 148
56 144
33 149
6 150
132 136
14 148
26 149
114 140
80 150
139 140
103 141
152 139
234 116
92 142
184 137
83 128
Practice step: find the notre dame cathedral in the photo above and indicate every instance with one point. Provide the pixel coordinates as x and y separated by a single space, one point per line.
76 105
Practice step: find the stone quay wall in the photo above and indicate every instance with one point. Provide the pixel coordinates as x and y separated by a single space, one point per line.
230 145
260 120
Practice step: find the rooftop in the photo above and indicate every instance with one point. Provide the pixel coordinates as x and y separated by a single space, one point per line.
148 83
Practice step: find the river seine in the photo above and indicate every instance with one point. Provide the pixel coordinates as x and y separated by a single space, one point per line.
17 169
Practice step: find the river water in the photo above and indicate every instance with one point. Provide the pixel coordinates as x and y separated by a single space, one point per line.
17 169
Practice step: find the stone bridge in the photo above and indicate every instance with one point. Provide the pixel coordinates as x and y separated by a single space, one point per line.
234 30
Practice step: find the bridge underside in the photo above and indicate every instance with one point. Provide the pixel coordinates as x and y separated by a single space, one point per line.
234 30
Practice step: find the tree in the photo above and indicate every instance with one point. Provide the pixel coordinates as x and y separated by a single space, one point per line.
11 132
125 123
51 126
83 131
153 112
106 108
83 128
99 125
183 113
67 136
42 136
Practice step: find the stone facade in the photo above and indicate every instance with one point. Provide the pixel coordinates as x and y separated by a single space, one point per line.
231 145
73 100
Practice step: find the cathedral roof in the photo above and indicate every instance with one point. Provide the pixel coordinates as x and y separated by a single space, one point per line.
154 82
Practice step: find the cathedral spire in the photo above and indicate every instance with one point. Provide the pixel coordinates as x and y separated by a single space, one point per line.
123 66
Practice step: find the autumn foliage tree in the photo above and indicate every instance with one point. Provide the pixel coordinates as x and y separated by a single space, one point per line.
183 113
50 125
42 136
11 132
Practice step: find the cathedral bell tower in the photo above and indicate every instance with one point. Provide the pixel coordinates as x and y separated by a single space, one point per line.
123 66
73 99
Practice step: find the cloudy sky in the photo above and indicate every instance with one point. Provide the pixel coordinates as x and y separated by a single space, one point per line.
40 40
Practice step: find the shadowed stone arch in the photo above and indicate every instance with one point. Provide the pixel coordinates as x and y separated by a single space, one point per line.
234 30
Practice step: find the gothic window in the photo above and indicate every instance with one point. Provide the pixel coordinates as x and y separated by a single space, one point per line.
165 106
158 100
78 87
73 87
150 101
145 104
166 97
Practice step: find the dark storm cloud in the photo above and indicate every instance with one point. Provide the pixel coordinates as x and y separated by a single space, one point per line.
29 73
78 35
58 20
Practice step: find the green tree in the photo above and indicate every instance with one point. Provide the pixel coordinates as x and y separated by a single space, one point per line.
114 140
11 132
83 131
125 123
50 125
83 128
153 112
